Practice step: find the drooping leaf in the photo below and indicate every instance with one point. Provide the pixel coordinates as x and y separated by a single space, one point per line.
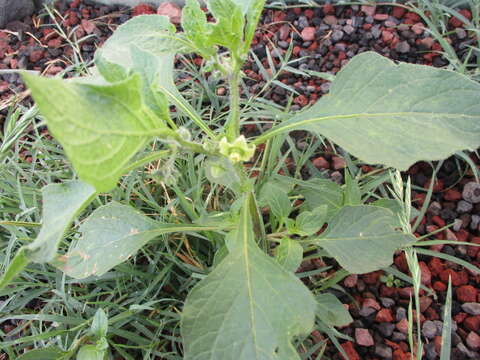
147 44
112 234
289 254
363 238
309 222
331 311
319 192
395 115
101 127
229 314
61 204
48 353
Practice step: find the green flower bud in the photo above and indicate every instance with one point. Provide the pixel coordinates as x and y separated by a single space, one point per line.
237 151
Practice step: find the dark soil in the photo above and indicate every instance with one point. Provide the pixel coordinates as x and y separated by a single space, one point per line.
325 39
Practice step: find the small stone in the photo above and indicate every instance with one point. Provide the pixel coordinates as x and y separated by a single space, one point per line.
383 351
376 31
464 206
425 303
425 274
430 351
450 194
402 326
321 163
398 336
387 302
403 47
429 329
384 315
330 20
337 35
348 29
461 33
368 10
386 329
398 12
363 337
308 33
142 9
475 222
284 32
463 349
380 17
366 311
172 11
471 192
351 280
473 340
457 224
338 163
88 26
401 314
350 351
466 294
387 37
418 28
472 308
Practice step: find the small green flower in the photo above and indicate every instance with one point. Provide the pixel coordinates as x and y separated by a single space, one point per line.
237 151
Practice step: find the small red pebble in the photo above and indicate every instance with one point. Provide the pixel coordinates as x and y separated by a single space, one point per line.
321 163
436 266
308 13
301 100
36 55
75 3
460 317
88 26
328 9
372 278
367 26
387 37
384 315
172 11
439 286
400 355
401 262
398 12
426 275
380 17
437 220
55 43
412 16
472 323
402 326
371 303
466 293
452 194
142 9
455 22
350 351
462 235
308 34
472 251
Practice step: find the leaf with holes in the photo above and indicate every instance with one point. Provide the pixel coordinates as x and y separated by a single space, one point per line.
395 114
248 307
363 238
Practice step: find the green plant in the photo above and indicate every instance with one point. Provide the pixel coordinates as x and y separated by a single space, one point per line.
248 304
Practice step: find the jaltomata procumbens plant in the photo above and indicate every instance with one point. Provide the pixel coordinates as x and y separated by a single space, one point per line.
250 305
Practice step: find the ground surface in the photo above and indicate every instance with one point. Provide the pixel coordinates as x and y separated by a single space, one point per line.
324 39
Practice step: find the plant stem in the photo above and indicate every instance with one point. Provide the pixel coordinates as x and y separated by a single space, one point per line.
233 122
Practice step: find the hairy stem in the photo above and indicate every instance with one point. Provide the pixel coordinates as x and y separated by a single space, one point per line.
233 122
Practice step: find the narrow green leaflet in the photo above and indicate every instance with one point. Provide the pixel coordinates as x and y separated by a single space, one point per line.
331 311
289 254
61 204
101 127
248 308
147 44
394 115
112 234
319 192
363 238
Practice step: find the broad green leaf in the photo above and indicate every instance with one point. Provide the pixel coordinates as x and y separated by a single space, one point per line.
289 254
101 127
196 28
248 308
61 204
352 194
147 44
48 353
319 192
228 30
394 115
363 238
275 196
395 207
90 352
110 235
309 222
331 311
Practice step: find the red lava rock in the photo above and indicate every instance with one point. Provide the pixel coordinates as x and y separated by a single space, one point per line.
412 17
372 303
451 194
418 28
351 280
387 37
439 286
284 32
384 315
367 26
369 10
460 317
473 340
142 9
75 3
425 303
436 266
458 278
406 292
328 9
398 12
172 11
426 275
321 163
401 262
386 291
372 278
54 43
474 250
462 235
88 26
301 100
308 34
428 43
363 337
402 326
438 221
455 22
380 17
71 19
36 55
449 235
338 163
309 13
466 293
350 351
472 323
431 314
